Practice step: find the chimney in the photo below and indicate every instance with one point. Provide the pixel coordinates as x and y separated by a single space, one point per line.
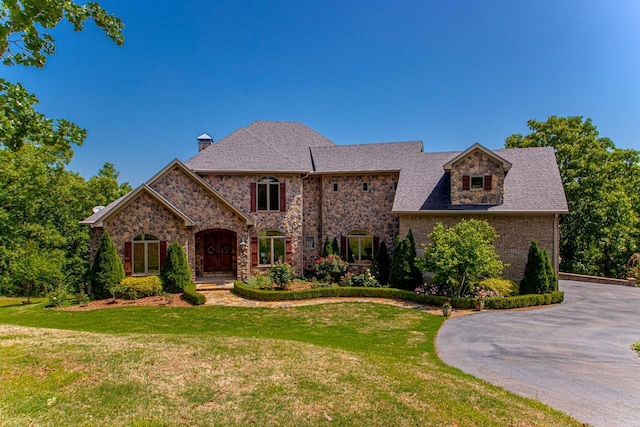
204 141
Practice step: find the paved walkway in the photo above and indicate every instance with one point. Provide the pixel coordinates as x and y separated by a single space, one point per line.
575 356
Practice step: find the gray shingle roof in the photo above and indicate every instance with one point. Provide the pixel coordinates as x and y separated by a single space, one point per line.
532 185
261 146
389 156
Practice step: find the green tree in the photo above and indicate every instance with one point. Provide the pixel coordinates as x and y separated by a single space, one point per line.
552 277
36 269
539 274
327 249
381 265
107 269
600 181
416 274
462 255
175 273
402 271
335 247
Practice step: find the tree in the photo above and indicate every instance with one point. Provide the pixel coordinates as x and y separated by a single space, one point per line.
327 249
552 277
402 271
107 269
335 247
36 269
601 183
416 274
175 273
381 265
536 278
461 255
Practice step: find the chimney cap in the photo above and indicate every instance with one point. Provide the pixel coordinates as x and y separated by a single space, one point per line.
204 137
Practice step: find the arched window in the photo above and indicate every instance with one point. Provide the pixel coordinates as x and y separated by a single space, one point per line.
360 247
146 254
268 194
271 247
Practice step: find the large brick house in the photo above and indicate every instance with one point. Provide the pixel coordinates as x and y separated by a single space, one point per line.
277 190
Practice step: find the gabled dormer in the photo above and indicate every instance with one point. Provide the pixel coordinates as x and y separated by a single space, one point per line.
477 177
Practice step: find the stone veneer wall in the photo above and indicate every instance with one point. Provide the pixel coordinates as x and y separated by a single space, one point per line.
351 208
311 225
477 163
516 233
236 189
146 215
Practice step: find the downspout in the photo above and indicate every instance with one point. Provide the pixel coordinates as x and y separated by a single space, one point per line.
556 243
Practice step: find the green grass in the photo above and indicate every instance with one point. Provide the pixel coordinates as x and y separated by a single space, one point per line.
339 364
9 301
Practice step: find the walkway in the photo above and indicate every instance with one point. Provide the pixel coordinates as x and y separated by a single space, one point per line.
575 357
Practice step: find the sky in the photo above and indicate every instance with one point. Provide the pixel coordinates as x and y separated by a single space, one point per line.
448 73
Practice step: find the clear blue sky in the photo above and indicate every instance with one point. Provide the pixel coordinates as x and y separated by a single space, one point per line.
449 73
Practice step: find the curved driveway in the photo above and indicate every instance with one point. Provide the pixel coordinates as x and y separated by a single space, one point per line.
574 357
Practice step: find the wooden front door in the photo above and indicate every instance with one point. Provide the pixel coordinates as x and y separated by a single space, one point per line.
218 251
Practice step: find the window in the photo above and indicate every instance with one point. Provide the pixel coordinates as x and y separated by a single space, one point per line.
271 247
477 182
309 242
395 185
359 247
335 187
146 254
365 186
268 194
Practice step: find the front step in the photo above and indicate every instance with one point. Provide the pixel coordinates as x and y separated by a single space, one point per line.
214 286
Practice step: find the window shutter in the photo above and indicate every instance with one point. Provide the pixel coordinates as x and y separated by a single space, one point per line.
253 196
487 182
163 252
254 251
283 197
343 246
128 267
466 182
376 245
288 250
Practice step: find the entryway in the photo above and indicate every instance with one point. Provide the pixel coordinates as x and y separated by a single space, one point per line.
216 252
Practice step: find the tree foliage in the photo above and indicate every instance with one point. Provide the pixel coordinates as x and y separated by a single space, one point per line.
462 255
601 183
539 274
175 273
381 265
403 271
327 249
107 269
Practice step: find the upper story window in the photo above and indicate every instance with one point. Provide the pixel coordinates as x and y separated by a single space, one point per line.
146 254
359 247
365 186
268 195
477 182
335 187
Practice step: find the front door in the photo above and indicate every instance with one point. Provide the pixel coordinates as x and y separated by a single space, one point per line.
218 251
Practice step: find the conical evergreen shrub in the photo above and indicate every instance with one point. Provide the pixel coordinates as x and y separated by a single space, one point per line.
175 273
552 277
107 269
335 247
327 249
416 274
381 264
536 279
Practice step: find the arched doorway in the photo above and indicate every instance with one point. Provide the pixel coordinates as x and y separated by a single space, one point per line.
218 251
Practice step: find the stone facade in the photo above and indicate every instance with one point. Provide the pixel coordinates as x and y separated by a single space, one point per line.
515 235
477 163
312 223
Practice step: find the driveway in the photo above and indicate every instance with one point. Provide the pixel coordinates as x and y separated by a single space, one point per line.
574 357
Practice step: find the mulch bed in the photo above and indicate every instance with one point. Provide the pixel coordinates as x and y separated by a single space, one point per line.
175 301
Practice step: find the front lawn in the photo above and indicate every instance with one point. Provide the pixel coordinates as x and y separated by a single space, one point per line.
337 364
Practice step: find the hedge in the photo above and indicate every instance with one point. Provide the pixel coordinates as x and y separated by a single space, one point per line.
190 294
137 287
434 300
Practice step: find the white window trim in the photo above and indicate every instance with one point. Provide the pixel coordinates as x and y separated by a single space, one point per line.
359 237
271 250
267 184
146 257
311 239
471 183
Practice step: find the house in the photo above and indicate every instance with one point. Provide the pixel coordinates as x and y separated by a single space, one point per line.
277 190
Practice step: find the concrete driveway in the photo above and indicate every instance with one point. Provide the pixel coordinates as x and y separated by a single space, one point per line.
574 357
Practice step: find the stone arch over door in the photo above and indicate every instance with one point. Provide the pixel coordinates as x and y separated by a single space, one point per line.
216 252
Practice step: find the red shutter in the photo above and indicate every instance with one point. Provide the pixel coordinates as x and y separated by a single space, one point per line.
283 197
254 251
343 246
253 196
466 182
376 245
487 182
128 268
163 252
288 250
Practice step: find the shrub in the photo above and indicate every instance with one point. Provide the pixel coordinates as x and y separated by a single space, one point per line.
552 277
539 275
327 249
107 269
137 287
403 272
58 296
281 274
460 256
365 280
190 294
175 273
381 264
504 287
335 247
331 268
260 281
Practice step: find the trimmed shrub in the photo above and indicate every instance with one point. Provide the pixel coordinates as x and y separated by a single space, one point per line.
403 272
364 280
260 281
335 247
552 277
107 269
137 287
331 268
536 277
190 294
175 273
504 287
327 249
381 265
281 274
433 300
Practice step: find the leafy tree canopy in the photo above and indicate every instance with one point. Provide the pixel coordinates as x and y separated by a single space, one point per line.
601 183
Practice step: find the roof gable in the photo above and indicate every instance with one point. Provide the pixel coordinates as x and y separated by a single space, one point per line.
477 147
